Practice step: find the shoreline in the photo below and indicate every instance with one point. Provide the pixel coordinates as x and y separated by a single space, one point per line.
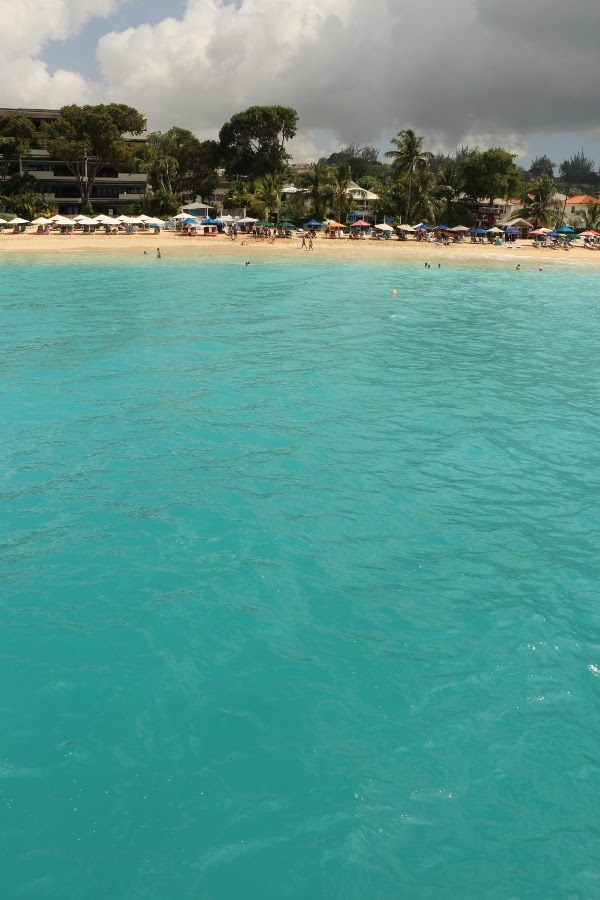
173 244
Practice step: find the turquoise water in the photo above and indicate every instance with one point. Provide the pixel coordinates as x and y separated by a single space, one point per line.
300 581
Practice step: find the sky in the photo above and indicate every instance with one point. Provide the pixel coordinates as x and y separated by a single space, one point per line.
514 73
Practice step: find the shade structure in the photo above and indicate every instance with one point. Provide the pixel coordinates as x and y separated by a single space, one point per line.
361 224
181 216
210 221
422 227
225 220
538 233
566 229
285 225
18 221
332 224
441 228
478 231
313 224
154 222
41 220
407 228
511 231
247 220
104 220
494 230
62 220
589 233
86 220
384 227
459 228
189 220
262 223
354 215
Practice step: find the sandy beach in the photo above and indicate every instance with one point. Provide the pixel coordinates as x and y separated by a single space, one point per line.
248 249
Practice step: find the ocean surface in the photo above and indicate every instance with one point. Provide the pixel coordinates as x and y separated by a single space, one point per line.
300 580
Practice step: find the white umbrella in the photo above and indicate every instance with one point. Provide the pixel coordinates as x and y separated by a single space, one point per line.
154 222
460 228
183 216
56 217
495 230
41 220
18 221
144 218
407 228
62 220
225 220
384 227
104 220
247 221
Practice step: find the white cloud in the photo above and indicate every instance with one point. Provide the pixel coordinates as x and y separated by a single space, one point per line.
27 26
466 71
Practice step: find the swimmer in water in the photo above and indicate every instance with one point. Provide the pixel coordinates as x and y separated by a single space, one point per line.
158 256
394 293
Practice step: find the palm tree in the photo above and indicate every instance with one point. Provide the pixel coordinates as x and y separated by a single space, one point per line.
427 206
268 191
31 204
449 189
538 203
408 157
341 200
317 181
592 217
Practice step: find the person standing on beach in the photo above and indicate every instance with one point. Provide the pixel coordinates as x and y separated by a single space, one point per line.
303 242
310 242
158 256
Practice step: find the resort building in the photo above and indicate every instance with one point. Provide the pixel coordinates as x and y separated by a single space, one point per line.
577 208
112 192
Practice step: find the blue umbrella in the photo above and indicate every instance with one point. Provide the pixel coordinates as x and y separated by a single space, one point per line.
312 224
441 228
190 221
423 227
566 229
388 218
478 231
355 215
209 222
553 234
512 231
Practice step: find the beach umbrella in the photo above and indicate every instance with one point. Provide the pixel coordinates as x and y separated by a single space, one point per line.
441 228
182 216
478 231
361 224
210 221
511 231
314 224
286 225
41 220
247 220
459 228
494 230
225 220
566 229
104 220
18 221
354 215
384 227
422 227
150 221
406 228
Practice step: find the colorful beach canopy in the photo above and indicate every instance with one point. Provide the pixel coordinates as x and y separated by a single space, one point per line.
423 227
313 224
361 224
286 225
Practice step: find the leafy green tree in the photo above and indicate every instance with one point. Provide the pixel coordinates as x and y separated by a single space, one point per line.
20 184
31 204
159 203
392 198
361 160
490 174
252 142
90 137
541 165
579 169
317 182
17 137
408 158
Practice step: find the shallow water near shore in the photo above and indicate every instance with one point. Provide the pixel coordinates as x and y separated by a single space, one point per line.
300 580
